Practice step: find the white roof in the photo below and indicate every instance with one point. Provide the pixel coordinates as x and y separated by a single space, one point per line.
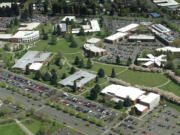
116 36
140 107
169 48
5 36
161 28
128 27
153 60
29 26
25 34
86 27
93 40
116 100
93 48
63 27
123 91
75 30
35 66
95 25
141 97
150 98
5 4
142 37
69 17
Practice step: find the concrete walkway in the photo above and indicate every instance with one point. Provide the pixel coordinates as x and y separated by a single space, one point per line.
23 127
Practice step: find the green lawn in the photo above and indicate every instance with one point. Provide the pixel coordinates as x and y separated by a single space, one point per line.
175 106
143 78
107 68
61 46
172 87
36 124
10 129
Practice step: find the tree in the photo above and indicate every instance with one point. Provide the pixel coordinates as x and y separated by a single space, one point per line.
9 99
53 40
73 44
7 47
59 62
81 63
89 63
101 73
80 114
4 111
81 32
76 61
136 62
101 123
54 77
113 74
170 65
58 30
118 60
74 89
93 94
37 75
97 79
63 76
27 70
45 5
127 102
119 105
72 70
47 76
129 61
30 10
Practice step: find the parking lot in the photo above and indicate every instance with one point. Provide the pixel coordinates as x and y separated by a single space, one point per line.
160 121
77 103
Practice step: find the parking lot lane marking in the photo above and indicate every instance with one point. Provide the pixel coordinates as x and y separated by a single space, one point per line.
40 108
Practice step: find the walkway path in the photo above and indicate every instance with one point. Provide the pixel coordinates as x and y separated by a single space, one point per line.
162 84
23 127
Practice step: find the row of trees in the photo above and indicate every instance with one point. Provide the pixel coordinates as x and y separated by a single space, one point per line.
9 11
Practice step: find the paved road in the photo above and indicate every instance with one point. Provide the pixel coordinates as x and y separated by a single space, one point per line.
23 127
54 114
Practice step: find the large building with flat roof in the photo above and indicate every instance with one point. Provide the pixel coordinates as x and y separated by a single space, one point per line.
33 58
115 38
28 26
122 92
151 100
81 78
143 38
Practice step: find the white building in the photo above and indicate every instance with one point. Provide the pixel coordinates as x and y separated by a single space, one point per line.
166 3
128 28
69 17
97 51
116 37
152 60
151 100
28 26
122 92
141 37
25 36
20 36
169 48
141 108
160 28
95 41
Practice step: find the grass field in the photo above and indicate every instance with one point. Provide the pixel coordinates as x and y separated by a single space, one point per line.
172 87
10 129
175 106
143 78
36 125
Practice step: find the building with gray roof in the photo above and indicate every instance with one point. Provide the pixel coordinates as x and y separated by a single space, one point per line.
31 57
81 78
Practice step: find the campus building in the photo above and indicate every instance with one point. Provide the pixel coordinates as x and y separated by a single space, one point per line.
115 38
20 36
95 41
121 92
142 38
172 4
151 100
35 59
129 28
169 49
70 18
81 78
28 26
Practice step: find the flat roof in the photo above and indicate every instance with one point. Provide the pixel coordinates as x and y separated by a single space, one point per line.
116 36
35 66
123 91
69 17
161 28
95 25
142 37
128 27
93 48
29 26
140 107
25 34
63 27
5 36
169 48
93 40
150 98
31 57
81 77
